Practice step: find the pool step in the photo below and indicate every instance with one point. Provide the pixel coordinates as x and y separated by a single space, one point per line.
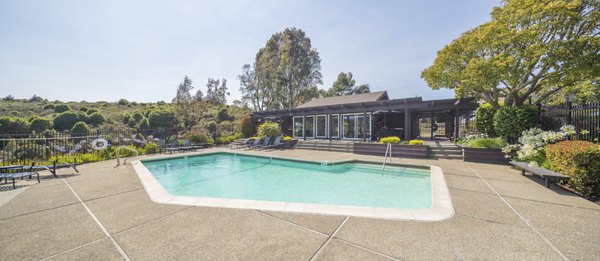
445 151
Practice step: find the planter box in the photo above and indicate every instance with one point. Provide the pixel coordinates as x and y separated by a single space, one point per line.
398 150
482 155
288 144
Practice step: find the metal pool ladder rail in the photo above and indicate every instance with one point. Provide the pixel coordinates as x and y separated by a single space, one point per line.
119 157
385 157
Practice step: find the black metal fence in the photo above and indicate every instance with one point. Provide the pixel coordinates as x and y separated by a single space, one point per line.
27 148
585 118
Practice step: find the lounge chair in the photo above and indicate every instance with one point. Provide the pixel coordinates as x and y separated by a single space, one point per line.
52 168
255 143
188 146
276 143
174 147
264 144
239 143
14 175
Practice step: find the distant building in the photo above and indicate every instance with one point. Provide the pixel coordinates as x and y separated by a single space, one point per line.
373 115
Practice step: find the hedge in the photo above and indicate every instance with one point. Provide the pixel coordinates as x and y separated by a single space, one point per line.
579 160
484 119
511 121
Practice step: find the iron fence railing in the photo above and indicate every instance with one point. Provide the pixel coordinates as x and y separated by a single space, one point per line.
39 147
585 117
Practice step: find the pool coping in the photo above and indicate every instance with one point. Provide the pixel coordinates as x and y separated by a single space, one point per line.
441 209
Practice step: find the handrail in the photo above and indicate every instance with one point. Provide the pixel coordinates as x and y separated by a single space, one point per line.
119 157
385 157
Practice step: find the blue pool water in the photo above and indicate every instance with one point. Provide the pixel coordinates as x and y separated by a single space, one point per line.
225 175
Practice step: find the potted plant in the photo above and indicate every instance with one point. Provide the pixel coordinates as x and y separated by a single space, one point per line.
288 142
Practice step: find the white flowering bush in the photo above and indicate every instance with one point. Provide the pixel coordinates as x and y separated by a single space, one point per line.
532 142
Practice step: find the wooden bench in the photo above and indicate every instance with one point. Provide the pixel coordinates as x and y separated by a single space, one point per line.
547 175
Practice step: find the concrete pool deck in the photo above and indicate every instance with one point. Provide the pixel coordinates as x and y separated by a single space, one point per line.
105 214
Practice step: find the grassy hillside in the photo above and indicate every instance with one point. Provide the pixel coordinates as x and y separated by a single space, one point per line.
114 112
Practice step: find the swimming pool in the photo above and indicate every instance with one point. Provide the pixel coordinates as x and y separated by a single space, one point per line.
247 181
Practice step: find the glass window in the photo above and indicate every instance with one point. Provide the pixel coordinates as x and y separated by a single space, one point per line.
363 128
334 125
349 123
298 125
310 124
321 125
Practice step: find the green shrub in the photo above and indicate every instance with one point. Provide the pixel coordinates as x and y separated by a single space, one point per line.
144 124
61 108
162 119
511 121
488 143
49 107
39 124
390 139
91 111
587 177
138 116
270 129
416 142
484 119
247 125
12 125
66 120
199 138
80 128
579 160
83 109
151 148
96 119
123 102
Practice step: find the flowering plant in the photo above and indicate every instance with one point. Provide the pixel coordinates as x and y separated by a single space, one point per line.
533 141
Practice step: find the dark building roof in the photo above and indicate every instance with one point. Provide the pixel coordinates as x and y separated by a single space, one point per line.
348 99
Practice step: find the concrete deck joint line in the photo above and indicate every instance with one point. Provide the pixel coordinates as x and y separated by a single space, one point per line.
114 242
291 223
519 214
314 257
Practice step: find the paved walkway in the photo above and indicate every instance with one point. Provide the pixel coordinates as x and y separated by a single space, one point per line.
105 214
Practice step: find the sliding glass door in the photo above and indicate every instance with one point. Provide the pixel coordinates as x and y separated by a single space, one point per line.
309 124
298 127
356 126
321 126
334 126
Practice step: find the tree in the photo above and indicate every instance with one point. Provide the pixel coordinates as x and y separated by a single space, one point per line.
286 73
36 98
211 127
215 93
188 109
360 89
345 85
162 119
531 49
253 89
247 125
39 124
123 102
9 98
223 115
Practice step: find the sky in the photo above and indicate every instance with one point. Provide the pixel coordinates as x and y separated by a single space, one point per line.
141 50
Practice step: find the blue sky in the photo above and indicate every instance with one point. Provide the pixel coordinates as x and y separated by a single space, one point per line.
141 50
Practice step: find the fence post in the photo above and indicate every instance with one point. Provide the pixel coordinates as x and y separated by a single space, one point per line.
569 105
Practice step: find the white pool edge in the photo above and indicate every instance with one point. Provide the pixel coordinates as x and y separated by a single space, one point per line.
441 209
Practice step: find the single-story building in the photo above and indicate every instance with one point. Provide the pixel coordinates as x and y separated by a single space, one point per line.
371 116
